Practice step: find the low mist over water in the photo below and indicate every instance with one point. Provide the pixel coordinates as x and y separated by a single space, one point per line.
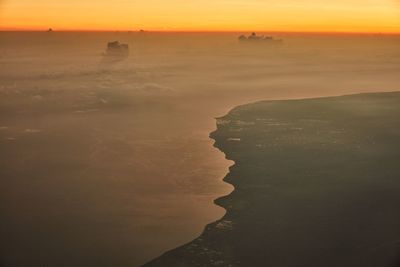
108 163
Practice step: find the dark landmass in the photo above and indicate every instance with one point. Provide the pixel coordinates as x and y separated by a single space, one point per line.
317 183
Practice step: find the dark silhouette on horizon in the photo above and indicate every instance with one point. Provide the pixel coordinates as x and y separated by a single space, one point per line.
116 49
254 37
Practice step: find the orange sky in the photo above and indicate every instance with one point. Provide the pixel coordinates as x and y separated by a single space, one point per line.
203 15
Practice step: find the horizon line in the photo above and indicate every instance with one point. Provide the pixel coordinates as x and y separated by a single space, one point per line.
202 31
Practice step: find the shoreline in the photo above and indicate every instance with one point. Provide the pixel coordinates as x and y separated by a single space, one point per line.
218 202
158 261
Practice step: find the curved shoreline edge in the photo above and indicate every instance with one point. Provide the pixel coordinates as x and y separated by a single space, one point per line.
313 190
163 260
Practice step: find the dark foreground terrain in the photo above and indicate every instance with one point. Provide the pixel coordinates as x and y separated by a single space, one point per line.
317 183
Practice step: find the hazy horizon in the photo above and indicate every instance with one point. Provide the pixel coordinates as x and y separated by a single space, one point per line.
222 15
132 31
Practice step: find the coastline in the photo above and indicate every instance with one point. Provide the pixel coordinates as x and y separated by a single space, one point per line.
237 240
163 260
171 258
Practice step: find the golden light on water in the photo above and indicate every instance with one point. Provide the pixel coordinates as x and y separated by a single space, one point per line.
205 15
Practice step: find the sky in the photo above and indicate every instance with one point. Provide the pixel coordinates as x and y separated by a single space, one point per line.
203 15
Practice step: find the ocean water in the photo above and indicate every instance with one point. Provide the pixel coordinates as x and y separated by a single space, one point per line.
108 163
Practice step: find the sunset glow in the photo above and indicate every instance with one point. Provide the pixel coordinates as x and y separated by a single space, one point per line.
205 15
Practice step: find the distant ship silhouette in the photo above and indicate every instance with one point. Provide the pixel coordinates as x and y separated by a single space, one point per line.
116 49
253 37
